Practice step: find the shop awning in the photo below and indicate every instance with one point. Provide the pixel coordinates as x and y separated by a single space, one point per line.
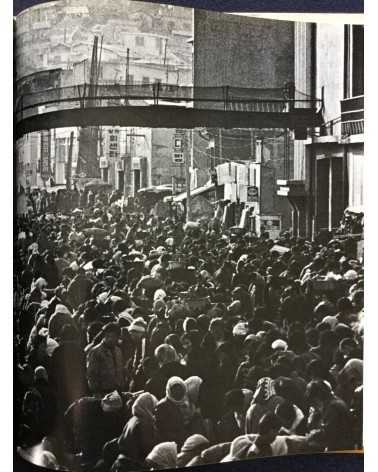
197 191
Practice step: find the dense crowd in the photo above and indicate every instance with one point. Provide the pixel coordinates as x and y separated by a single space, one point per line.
150 343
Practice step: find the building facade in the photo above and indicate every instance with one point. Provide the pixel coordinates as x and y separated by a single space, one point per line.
328 165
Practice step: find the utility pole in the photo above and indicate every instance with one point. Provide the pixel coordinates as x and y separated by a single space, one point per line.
127 73
187 177
69 162
165 60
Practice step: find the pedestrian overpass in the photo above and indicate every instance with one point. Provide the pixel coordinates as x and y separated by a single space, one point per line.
166 106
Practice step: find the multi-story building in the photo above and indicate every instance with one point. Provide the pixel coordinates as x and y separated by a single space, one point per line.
328 166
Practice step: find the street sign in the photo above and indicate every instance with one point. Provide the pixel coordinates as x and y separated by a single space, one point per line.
178 157
104 163
252 194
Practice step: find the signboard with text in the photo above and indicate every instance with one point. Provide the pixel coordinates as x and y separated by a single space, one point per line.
252 194
45 154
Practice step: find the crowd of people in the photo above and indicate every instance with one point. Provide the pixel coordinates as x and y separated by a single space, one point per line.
147 343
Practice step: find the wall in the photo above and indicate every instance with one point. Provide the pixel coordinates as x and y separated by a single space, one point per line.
162 167
262 56
303 82
355 158
330 68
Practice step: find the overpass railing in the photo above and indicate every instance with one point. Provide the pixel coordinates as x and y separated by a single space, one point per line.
282 99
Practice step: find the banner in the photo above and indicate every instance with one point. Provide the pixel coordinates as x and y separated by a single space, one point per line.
45 154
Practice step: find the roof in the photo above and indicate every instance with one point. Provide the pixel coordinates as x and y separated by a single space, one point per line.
198 191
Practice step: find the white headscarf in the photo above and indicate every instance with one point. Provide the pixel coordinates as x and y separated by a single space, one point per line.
164 455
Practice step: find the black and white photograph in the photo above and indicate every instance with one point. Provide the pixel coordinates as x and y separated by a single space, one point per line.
189 235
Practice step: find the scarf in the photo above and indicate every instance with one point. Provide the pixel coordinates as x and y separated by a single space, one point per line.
170 384
164 455
144 407
193 385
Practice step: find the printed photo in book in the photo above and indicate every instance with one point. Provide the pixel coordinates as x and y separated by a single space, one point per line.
189 282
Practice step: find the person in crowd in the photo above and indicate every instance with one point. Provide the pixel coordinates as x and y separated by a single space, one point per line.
265 400
140 433
172 412
105 367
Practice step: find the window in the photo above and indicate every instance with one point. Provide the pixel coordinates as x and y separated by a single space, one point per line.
113 146
130 79
353 61
113 138
178 143
139 41
158 43
145 80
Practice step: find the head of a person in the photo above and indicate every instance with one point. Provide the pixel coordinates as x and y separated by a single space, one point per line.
163 456
111 402
318 393
193 386
111 334
165 354
268 428
40 375
358 300
124 464
216 328
327 340
186 343
203 322
352 373
159 308
174 341
176 390
195 444
137 329
344 306
189 324
144 406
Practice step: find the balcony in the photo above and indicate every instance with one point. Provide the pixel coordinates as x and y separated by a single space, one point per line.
352 116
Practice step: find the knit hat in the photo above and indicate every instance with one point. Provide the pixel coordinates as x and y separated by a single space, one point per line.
111 402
